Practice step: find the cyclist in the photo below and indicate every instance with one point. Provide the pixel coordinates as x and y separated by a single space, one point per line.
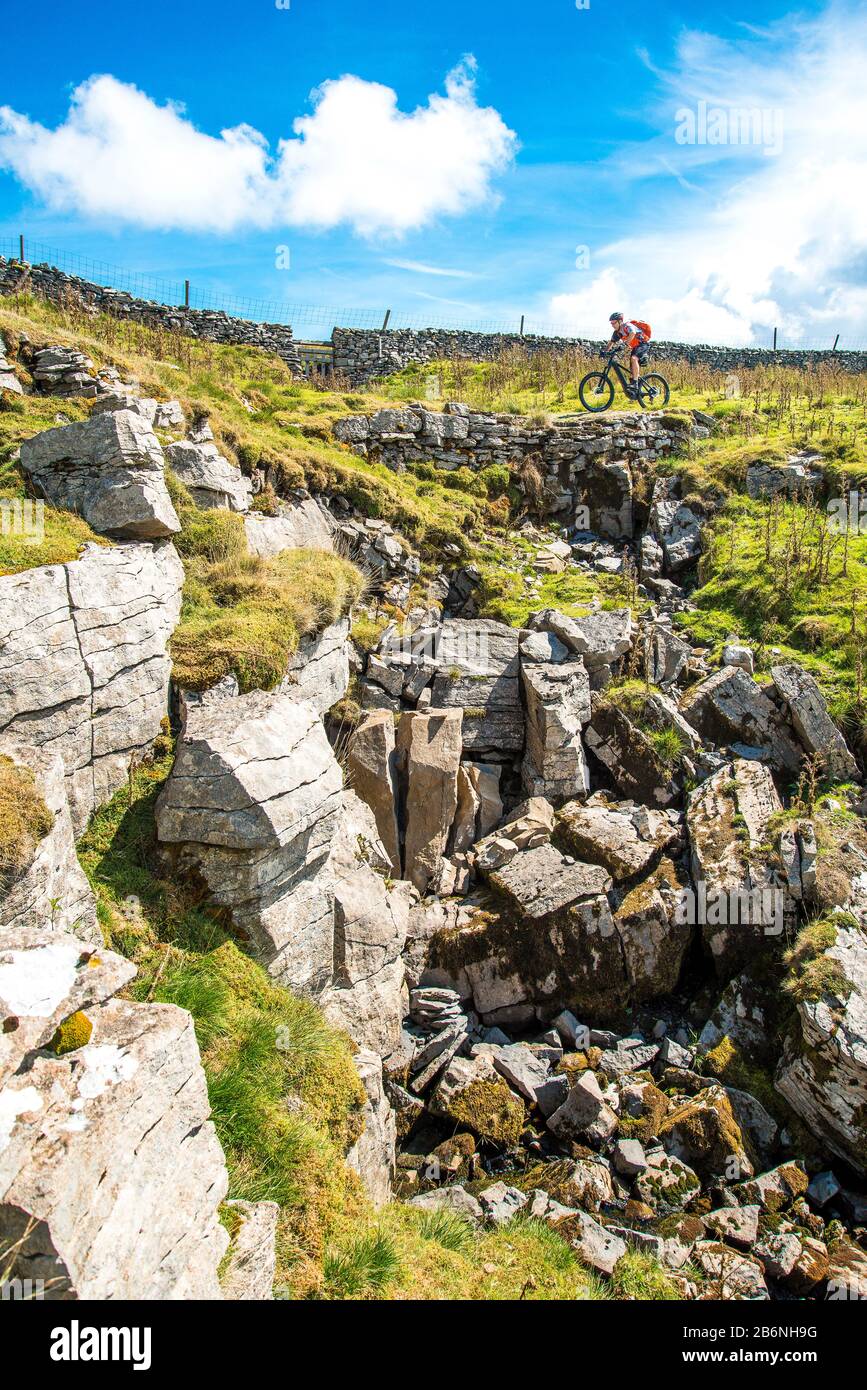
637 335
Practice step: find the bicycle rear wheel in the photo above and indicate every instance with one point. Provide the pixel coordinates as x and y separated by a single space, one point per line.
653 392
596 391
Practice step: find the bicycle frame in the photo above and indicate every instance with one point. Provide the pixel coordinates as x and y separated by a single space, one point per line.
611 361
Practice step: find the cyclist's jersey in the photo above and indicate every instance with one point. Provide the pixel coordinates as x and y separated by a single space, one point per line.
632 334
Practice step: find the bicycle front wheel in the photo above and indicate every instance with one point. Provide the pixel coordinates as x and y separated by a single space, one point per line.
653 391
596 391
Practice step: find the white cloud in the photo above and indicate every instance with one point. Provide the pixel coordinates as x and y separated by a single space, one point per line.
420 268
356 159
770 241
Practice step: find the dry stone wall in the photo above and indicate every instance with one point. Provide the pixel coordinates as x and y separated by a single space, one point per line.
364 354
584 460
208 324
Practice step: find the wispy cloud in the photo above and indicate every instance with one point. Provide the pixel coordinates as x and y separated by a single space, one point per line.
419 268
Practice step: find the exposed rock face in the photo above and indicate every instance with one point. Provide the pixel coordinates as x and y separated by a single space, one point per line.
211 479
8 379
92 1139
319 670
621 836
84 666
110 469
558 707
727 818
52 889
667 655
255 806
797 476
653 935
675 526
630 758
303 524
728 708
812 722
249 1276
823 1073
62 371
601 638
371 771
478 672
373 1156
429 753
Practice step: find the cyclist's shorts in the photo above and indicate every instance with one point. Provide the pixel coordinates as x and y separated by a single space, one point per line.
641 351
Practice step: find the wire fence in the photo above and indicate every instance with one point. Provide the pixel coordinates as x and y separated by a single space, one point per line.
308 320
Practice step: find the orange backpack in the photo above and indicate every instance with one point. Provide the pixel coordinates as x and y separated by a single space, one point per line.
645 327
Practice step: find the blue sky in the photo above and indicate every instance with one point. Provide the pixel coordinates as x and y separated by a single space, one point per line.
460 161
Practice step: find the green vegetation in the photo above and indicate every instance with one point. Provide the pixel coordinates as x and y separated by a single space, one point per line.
812 973
245 614
25 819
507 596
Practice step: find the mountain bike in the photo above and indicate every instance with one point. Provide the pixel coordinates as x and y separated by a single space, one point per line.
596 390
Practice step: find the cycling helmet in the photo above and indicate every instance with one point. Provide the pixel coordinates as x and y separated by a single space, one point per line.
612 318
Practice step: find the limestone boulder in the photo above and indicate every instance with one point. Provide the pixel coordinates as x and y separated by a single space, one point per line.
477 671
255 810
629 757
814 726
730 708
371 770
596 1245
585 1114
319 670
373 1154
739 903
544 942
472 1096
626 839
601 637
109 469
303 524
210 478
111 1175
84 663
252 1258
558 706
51 891
704 1133
666 654
823 1070
675 526
428 757
654 935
